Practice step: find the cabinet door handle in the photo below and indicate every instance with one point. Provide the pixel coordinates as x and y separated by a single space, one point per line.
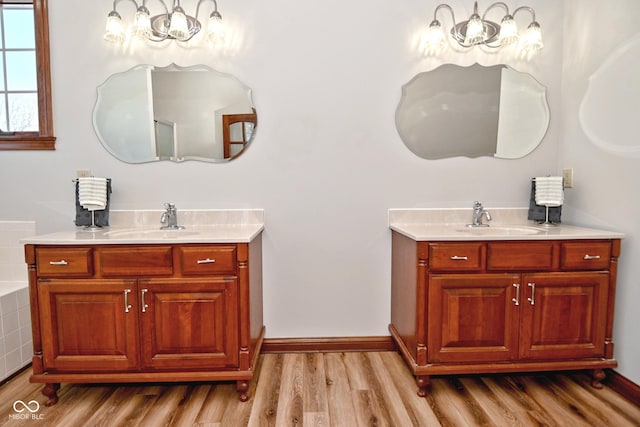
532 300
61 262
459 258
206 261
516 300
587 256
144 304
127 306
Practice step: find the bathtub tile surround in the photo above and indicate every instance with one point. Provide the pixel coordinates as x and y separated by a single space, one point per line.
16 347
15 319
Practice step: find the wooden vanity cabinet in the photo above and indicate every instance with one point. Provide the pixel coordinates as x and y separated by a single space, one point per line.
136 313
503 306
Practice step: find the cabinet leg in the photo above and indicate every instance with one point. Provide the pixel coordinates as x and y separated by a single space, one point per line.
598 377
423 382
242 386
51 391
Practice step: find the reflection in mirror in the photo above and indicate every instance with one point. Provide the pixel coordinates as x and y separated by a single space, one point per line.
174 113
472 111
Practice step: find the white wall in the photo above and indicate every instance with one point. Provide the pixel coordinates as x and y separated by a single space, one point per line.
327 161
606 192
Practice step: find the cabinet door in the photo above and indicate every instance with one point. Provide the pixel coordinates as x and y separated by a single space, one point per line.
189 323
564 315
89 325
472 317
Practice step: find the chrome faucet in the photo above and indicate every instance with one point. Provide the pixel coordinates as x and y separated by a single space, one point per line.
170 218
478 213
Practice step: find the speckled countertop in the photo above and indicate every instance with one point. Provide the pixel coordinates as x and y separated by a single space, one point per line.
143 227
506 224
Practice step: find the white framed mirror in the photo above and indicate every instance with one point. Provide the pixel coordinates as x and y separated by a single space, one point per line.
472 111
175 113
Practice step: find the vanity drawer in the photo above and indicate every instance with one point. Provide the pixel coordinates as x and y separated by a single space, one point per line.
219 259
585 256
135 261
512 256
64 262
456 256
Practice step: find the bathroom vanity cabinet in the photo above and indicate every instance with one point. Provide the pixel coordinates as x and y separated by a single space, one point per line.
497 306
112 313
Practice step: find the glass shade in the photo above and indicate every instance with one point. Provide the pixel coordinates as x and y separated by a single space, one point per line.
142 23
532 38
178 27
215 29
508 30
475 31
433 39
114 31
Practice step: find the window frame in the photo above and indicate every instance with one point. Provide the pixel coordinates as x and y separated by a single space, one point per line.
44 138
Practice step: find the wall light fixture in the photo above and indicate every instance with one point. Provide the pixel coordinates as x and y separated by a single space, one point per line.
479 31
172 23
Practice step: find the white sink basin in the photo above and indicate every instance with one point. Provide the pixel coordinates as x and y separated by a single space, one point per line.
149 233
501 230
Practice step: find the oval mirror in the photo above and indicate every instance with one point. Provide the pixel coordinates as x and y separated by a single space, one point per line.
472 111
174 113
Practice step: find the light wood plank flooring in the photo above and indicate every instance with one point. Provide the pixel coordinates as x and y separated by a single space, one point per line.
329 389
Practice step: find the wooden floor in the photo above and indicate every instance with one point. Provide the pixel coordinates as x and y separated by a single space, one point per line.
330 389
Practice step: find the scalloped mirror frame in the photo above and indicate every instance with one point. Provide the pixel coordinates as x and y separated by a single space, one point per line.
150 113
472 111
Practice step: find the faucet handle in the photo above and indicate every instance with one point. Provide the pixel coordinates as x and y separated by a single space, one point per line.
477 205
170 206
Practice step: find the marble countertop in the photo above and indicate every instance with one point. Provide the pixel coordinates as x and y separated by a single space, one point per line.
506 224
143 227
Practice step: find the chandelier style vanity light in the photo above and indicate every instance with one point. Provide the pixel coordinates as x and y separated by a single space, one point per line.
479 31
172 24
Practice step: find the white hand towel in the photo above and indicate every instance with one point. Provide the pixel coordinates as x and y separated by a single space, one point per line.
92 193
549 191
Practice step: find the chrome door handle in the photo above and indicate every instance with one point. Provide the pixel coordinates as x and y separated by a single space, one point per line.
532 300
206 261
144 304
61 262
516 300
127 306
459 258
587 256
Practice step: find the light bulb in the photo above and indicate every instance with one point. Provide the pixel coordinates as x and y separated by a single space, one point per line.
475 31
114 32
508 31
433 39
178 27
142 23
215 29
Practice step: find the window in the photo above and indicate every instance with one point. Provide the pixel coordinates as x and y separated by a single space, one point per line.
26 121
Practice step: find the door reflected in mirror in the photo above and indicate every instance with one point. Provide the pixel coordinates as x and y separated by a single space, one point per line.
174 113
472 111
